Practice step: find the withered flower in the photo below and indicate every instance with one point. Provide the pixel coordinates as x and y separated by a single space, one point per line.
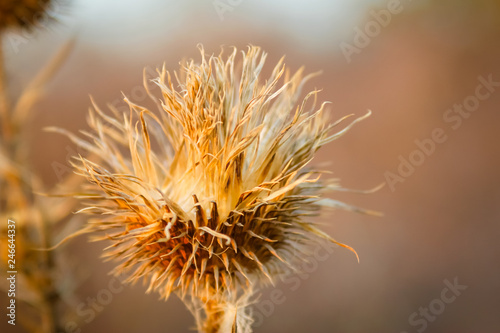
210 196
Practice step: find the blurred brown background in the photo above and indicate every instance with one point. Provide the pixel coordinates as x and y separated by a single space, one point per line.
441 223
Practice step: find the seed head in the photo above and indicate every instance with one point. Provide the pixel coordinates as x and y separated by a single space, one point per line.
209 195
22 13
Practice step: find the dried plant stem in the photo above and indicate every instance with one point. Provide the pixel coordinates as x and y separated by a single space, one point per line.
212 321
49 318
216 316
51 296
21 185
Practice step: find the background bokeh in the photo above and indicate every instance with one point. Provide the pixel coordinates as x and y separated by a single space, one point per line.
441 223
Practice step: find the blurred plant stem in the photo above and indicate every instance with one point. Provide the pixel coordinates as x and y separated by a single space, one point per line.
18 186
50 297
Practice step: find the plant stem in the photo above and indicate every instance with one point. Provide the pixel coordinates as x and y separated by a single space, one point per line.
50 294
212 321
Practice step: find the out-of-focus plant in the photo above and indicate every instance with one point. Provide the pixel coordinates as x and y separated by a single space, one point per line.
44 284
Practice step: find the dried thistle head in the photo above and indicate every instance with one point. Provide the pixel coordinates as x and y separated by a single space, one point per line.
210 195
22 13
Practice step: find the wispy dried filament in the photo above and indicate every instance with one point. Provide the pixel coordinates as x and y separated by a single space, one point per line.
209 195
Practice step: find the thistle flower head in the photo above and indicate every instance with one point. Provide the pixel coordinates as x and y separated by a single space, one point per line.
209 195
21 13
